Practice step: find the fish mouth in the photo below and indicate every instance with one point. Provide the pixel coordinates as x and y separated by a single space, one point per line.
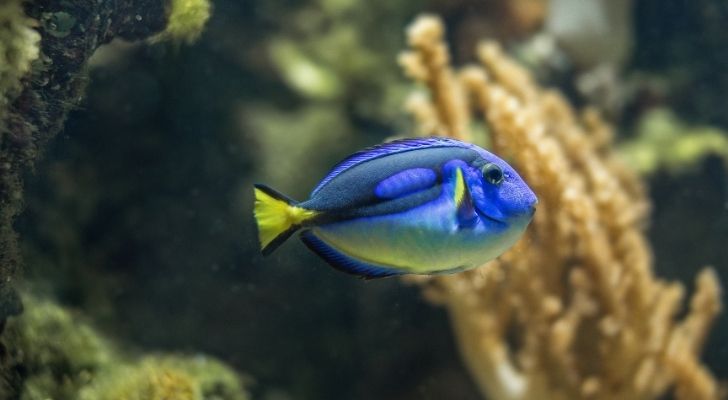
502 221
487 217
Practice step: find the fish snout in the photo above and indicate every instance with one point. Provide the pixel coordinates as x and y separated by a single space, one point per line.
532 206
526 206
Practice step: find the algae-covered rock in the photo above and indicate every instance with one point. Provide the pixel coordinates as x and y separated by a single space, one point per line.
50 337
167 377
55 349
186 19
18 48
58 355
37 93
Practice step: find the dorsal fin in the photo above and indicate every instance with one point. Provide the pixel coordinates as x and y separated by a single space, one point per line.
380 150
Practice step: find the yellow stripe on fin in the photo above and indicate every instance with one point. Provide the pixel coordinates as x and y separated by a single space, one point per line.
465 211
459 192
277 217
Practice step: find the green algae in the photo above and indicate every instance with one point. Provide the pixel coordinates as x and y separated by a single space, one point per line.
342 51
186 20
167 377
63 357
18 48
304 74
664 142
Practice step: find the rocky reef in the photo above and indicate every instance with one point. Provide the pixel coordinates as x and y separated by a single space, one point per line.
51 352
46 45
57 354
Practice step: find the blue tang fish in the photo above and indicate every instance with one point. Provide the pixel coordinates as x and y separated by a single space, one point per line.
412 206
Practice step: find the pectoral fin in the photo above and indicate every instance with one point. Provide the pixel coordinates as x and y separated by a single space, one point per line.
466 214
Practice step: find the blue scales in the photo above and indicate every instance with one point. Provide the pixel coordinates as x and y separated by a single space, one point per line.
423 206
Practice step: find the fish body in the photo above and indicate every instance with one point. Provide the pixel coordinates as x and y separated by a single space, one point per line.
412 206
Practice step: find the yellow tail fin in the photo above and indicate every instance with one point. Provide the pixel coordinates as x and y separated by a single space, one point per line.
277 217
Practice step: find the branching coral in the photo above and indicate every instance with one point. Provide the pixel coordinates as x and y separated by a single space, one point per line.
574 310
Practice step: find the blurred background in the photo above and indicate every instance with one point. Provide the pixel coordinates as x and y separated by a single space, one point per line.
140 212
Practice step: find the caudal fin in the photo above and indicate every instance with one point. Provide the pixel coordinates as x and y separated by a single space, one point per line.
277 217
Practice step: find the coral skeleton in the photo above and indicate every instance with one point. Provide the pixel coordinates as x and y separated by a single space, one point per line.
574 310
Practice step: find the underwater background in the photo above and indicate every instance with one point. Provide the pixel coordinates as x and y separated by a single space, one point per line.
135 233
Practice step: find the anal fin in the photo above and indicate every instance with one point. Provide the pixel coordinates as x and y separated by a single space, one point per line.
343 262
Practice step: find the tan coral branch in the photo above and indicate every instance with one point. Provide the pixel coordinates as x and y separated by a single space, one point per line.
574 310
430 64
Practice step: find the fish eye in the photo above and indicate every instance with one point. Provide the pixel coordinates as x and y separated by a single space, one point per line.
492 173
